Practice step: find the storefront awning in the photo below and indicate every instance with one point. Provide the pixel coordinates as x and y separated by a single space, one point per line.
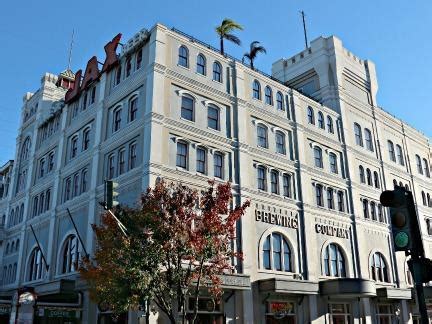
62 286
288 286
394 293
348 287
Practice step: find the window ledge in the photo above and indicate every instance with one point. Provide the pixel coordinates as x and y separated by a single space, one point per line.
183 67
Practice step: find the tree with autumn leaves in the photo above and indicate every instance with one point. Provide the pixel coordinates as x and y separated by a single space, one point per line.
177 245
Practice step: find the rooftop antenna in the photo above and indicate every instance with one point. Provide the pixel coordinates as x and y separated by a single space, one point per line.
70 49
304 28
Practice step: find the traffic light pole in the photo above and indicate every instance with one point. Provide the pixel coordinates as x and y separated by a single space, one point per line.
416 270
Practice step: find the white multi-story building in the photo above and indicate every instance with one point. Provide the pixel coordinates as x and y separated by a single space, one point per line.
309 146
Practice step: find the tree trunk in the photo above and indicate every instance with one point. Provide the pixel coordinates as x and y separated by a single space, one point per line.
221 45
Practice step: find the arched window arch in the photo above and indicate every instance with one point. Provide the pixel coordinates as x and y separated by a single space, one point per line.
183 56
268 95
70 254
369 177
280 142
334 261
311 117
279 101
133 108
213 117
262 136
376 180
188 107
276 253
201 64
330 125
217 71
400 184
391 151
362 174
25 149
262 177
36 265
256 90
318 157
368 140
378 267
358 134
419 165
321 120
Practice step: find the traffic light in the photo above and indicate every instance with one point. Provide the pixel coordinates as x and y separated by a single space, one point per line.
111 194
403 216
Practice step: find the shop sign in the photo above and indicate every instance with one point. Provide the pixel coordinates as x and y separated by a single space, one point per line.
5 309
281 309
331 230
58 313
276 219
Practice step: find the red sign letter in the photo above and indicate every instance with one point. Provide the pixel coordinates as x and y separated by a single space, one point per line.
91 72
111 55
74 92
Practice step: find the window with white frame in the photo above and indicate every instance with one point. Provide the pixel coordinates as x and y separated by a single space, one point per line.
378 267
218 165
187 107
274 181
318 157
262 136
132 155
182 155
201 160
287 187
70 254
276 253
399 154
391 151
358 134
217 72
36 267
213 117
368 140
279 101
268 95
321 120
133 109
333 163
117 119
183 56
201 64
280 142
256 90
262 178
334 261
330 127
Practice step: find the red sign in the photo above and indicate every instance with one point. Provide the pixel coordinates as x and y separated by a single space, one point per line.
92 72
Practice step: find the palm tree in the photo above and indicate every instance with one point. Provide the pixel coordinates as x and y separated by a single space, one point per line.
224 31
255 48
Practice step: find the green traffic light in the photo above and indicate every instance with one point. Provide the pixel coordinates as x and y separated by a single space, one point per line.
401 239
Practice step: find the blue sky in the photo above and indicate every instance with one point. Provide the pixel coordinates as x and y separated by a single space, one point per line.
35 36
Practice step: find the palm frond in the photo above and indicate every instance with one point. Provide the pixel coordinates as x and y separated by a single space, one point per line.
233 38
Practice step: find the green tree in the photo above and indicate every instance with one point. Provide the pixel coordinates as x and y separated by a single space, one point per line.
178 244
225 32
255 48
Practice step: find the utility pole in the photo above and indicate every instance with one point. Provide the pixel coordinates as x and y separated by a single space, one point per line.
304 29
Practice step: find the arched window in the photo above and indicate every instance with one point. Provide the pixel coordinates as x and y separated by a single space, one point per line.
12 247
419 165
21 216
395 183
187 108
426 168
391 151
256 90
213 117
268 95
41 203
334 261
70 255
369 177
201 160
262 178
358 134
280 142
380 213
429 202
35 205
277 253
262 137
362 174
333 163
368 140
378 268
424 198
319 195
74 147
67 191
365 208
14 271
7 248
117 119
330 125
132 155
183 56
218 165
201 64
36 265
373 211
133 108
25 149
318 157
311 117
330 198
84 180
182 154
139 56
376 180
128 66
86 139
321 120
279 101
341 204
76 182
217 72
118 75
17 245
274 181
399 155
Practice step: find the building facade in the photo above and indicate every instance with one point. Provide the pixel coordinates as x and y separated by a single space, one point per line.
308 145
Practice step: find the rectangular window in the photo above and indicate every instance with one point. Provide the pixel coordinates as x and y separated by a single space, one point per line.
86 139
121 161
319 197
84 181
333 163
74 147
50 162
262 179
213 118
187 108
117 120
41 168
111 168
132 156
280 143
182 155
341 206
201 161
218 165
287 185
